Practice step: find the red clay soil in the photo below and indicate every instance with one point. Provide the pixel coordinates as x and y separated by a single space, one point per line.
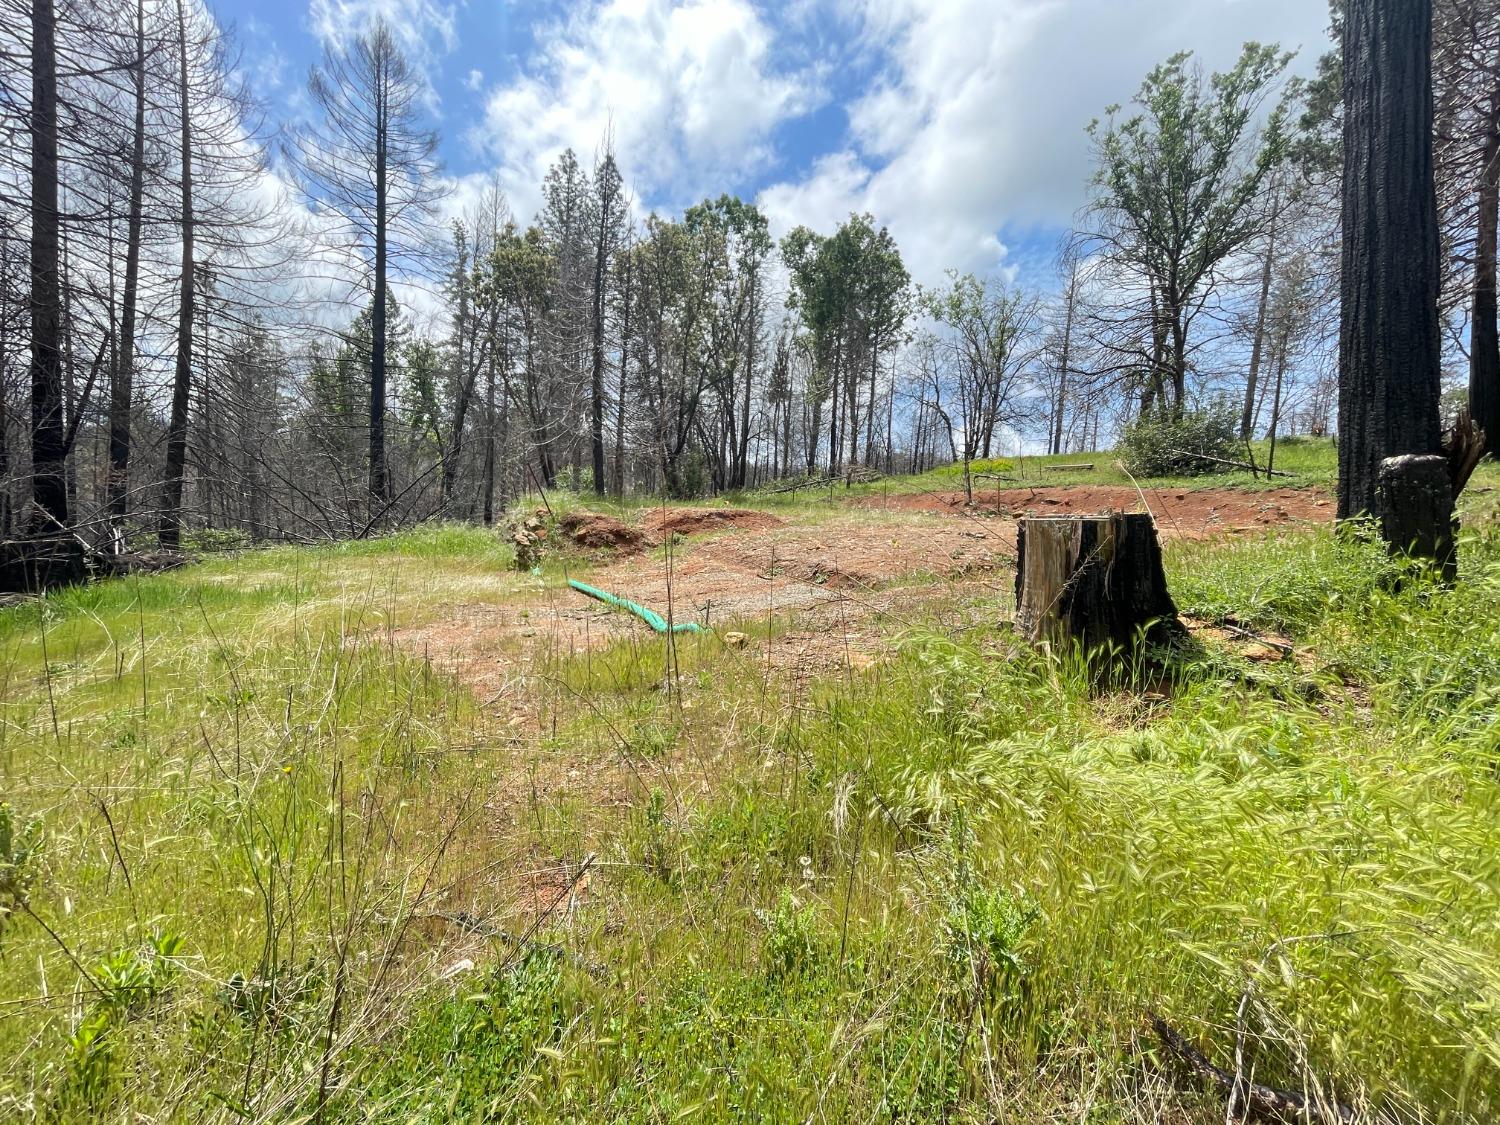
1187 513
694 521
595 531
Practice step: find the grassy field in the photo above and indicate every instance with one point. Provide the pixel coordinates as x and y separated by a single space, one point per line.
1308 461
262 860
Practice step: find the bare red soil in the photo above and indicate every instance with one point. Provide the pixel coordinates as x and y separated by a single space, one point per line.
1188 513
696 521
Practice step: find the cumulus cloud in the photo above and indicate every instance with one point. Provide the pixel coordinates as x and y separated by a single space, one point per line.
973 125
690 90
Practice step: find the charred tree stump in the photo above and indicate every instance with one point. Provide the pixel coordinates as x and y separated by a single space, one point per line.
1093 581
36 564
1414 500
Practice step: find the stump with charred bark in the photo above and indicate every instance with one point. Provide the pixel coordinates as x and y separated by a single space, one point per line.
35 564
1092 581
1414 500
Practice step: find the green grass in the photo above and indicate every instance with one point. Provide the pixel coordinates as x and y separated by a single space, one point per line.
1312 462
949 886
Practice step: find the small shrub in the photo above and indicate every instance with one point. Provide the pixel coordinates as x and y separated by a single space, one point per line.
216 539
792 944
130 980
1163 446
982 925
467 1055
980 465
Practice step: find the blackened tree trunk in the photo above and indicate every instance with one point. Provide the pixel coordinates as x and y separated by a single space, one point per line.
377 483
49 487
170 528
122 378
1388 340
5 497
468 336
1414 498
596 374
489 434
1484 338
624 378
1092 581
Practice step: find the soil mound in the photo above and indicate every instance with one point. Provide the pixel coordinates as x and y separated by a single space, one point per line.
693 521
601 532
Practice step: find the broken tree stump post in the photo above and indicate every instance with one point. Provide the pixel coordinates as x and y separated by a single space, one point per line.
1414 498
1093 581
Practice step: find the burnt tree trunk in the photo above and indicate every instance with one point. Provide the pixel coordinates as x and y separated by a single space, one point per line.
1389 384
169 530
122 376
1092 581
379 486
1484 332
1414 499
48 554
48 448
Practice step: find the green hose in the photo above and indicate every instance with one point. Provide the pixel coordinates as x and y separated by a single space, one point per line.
649 616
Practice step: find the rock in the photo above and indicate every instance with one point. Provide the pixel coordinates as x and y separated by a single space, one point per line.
735 639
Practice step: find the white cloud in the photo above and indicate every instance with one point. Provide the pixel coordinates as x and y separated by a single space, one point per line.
975 120
690 90
414 23
474 80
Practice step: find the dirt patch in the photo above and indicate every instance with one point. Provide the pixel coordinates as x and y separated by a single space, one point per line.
1185 513
600 532
846 582
695 521
848 557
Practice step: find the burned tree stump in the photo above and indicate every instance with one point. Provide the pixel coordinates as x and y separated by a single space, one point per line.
1414 500
35 564
1092 581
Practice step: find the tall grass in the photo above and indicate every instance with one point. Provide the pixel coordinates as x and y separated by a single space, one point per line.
290 871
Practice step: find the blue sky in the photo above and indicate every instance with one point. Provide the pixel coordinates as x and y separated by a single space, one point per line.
959 123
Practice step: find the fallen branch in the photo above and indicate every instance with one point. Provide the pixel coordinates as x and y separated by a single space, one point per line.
1232 464
1230 625
1088 466
1245 1093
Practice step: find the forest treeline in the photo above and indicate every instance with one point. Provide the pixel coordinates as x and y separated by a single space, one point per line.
211 322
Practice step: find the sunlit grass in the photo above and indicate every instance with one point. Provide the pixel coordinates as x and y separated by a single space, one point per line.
947 886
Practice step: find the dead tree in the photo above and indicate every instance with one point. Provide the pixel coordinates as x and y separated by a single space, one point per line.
1389 363
1093 581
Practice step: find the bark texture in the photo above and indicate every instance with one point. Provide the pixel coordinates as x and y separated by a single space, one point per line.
1389 344
1484 334
1414 499
1092 581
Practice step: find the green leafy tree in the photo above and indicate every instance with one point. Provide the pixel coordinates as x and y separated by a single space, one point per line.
1179 189
518 281
853 294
